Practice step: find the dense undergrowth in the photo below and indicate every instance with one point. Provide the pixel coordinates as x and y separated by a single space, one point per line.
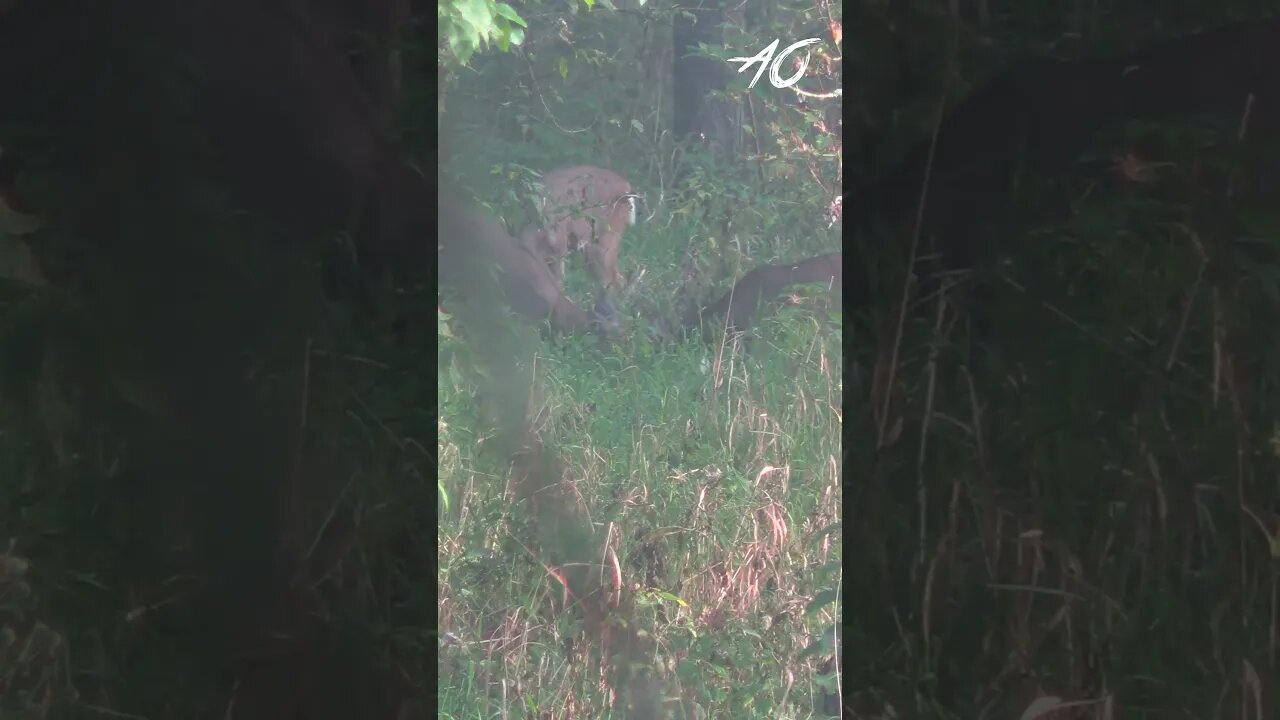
709 472
1075 499
104 591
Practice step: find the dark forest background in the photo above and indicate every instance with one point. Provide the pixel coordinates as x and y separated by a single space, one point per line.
1062 489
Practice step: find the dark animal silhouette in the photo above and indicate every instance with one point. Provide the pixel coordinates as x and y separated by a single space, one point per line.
738 308
473 245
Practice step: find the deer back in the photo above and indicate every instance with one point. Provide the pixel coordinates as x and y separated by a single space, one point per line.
473 244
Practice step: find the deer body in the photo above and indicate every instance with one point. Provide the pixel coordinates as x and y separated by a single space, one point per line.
472 244
585 209
739 306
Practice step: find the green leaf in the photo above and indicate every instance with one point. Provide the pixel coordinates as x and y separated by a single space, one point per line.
508 12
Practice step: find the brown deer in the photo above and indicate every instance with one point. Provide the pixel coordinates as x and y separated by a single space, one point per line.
472 244
765 284
585 209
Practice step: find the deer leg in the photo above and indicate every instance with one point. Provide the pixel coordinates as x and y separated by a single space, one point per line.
602 258
557 269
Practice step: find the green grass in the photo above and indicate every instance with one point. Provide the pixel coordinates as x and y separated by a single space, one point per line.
1081 500
712 473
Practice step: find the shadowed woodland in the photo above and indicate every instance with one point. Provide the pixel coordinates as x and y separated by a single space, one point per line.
1063 493
184 475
